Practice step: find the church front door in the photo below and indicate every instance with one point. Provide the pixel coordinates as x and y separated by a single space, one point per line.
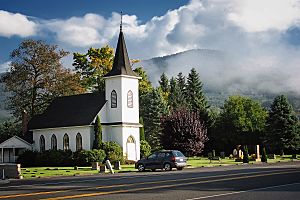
131 149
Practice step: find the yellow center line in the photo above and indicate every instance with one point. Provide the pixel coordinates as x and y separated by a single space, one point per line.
132 184
165 186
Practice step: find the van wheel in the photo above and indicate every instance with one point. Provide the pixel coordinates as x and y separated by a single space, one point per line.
167 167
141 167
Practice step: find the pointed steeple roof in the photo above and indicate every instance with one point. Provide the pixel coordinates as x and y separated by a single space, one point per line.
121 65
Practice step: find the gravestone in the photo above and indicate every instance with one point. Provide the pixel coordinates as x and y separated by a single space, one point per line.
222 154
95 166
117 165
235 153
108 165
257 155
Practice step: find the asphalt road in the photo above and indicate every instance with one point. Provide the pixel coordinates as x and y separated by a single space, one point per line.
277 181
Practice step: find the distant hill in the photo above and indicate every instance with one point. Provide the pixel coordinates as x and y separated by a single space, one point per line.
221 76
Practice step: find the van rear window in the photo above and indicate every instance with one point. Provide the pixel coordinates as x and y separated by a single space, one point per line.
178 154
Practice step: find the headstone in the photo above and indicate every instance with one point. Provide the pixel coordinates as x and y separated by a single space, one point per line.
95 166
10 170
117 165
235 153
257 155
222 154
103 169
240 154
108 165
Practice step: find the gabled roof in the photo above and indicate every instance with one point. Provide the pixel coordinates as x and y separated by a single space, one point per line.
121 65
76 110
15 142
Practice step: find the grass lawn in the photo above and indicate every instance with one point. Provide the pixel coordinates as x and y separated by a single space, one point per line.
38 172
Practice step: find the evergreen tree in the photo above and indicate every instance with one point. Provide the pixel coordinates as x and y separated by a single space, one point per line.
164 86
246 155
154 110
142 130
196 100
98 134
176 97
282 130
264 156
181 82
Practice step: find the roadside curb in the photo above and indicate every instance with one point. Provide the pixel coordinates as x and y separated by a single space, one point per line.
2 182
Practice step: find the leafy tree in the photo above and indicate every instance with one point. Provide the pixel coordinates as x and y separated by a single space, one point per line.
185 131
242 121
282 130
154 110
142 129
92 66
145 149
113 151
98 134
144 84
36 77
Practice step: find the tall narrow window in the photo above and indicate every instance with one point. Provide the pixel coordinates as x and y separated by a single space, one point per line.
113 99
42 143
53 142
129 99
78 142
66 142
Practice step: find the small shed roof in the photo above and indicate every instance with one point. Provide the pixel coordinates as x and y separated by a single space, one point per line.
15 142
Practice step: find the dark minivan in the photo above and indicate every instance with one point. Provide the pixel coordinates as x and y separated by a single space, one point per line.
165 159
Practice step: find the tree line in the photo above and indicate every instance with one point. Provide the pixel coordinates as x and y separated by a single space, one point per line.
175 114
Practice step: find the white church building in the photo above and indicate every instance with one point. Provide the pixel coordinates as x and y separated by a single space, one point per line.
68 122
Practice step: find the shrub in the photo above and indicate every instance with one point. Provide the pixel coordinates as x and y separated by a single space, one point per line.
145 148
27 158
113 151
264 155
246 155
52 158
85 157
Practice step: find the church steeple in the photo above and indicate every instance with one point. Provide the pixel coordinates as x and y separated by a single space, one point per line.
121 65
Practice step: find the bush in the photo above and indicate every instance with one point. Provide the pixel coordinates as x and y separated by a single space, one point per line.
246 155
113 151
86 157
264 156
145 148
27 158
55 158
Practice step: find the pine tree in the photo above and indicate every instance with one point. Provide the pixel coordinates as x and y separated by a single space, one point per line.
282 130
195 96
264 156
153 112
246 155
164 86
98 134
142 130
176 97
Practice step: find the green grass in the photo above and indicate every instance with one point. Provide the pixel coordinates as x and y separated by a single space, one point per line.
38 172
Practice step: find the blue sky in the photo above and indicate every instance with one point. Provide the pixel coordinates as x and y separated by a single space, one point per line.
261 36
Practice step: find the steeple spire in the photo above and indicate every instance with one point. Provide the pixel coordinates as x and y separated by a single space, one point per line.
121 65
121 24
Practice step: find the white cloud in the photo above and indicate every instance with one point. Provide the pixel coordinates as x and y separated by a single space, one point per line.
4 67
16 24
263 15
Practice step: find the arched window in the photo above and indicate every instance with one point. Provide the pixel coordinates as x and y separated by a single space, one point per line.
129 99
66 142
130 139
78 142
42 143
113 99
53 142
